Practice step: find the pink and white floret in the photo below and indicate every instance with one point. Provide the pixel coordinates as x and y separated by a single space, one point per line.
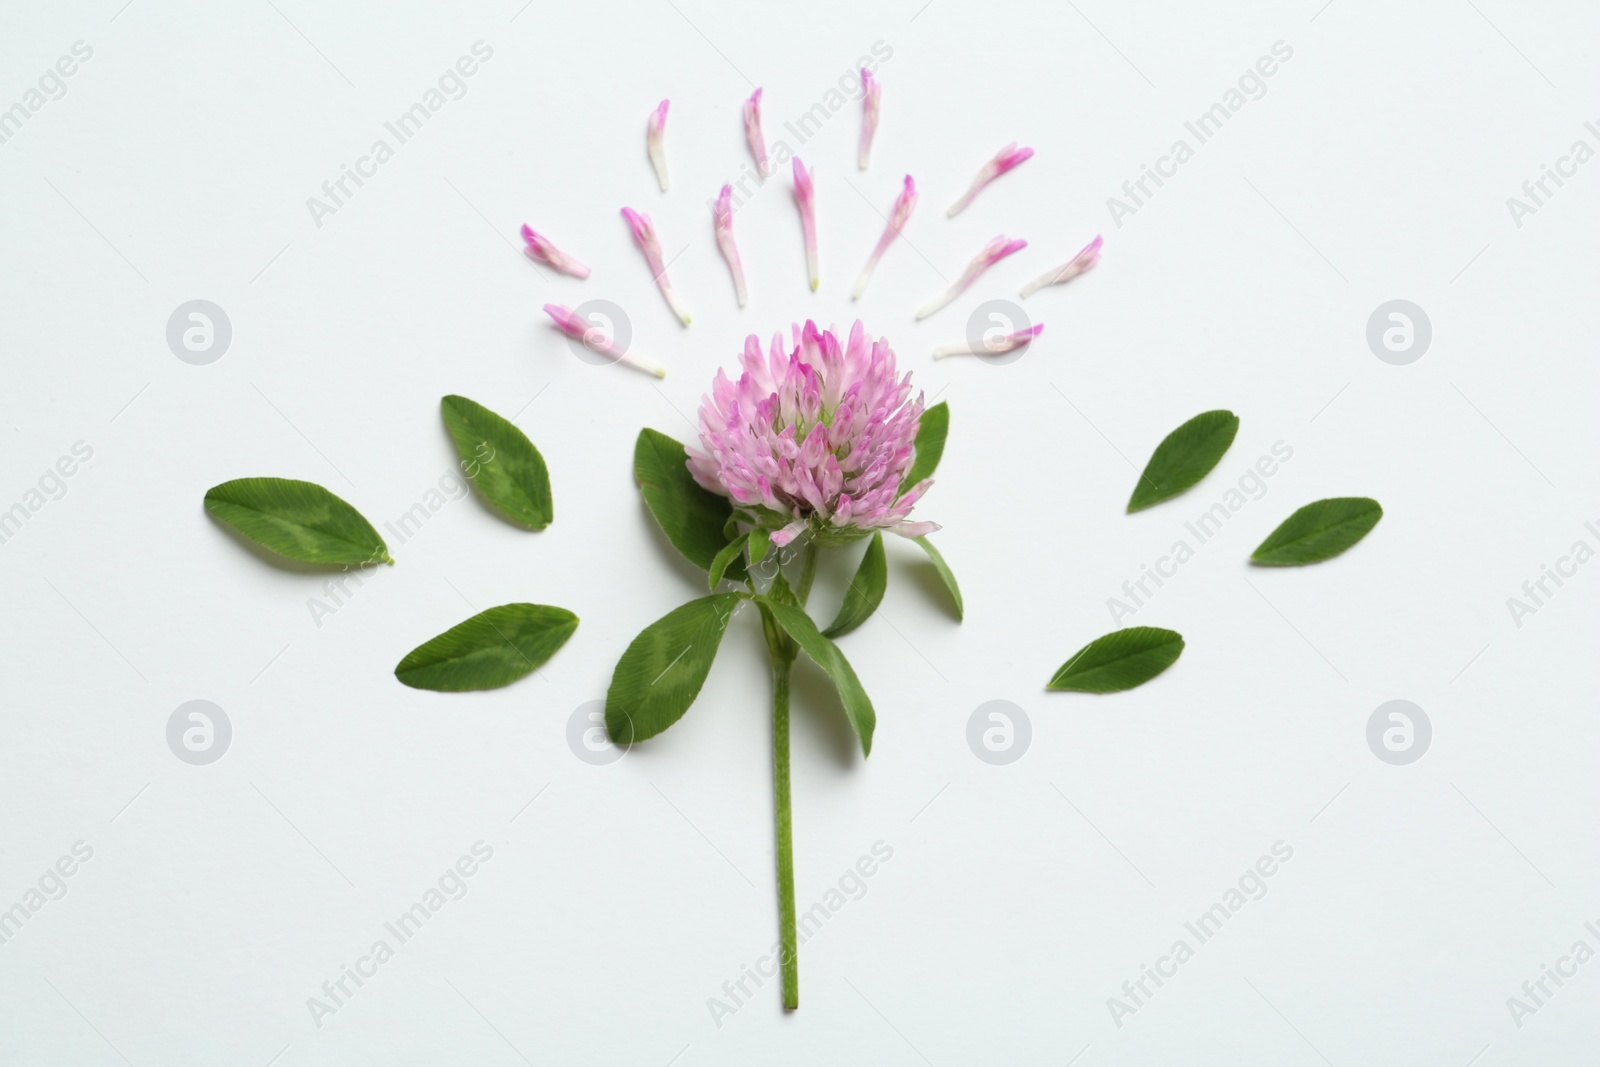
814 438
997 249
1083 261
644 233
1008 157
655 143
542 251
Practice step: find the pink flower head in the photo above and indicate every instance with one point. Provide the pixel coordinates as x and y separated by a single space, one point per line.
722 213
645 234
1083 261
993 252
540 249
597 338
897 220
1008 157
871 103
805 195
653 141
815 437
752 133
992 344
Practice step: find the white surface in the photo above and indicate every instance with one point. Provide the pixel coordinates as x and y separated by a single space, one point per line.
1376 166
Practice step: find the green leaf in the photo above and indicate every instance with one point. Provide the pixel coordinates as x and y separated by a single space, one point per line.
946 575
1120 660
760 542
489 650
662 671
1319 531
928 448
500 460
865 592
1186 455
691 517
300 520
729 553
857 707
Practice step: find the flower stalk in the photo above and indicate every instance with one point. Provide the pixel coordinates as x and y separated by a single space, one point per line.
655 143
1078 264
1008 157
997 249
897 219
722 213
806 197
542 251
644 233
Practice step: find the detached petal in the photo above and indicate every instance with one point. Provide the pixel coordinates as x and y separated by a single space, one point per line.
540 249
1008 157
654 131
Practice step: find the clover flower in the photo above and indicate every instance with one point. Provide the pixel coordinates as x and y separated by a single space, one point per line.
993 252
871 104
1005 159
752 133
653 142
814 437
897 219
1083 261
645 234
541 250
805 196
991 346
597 339
722 213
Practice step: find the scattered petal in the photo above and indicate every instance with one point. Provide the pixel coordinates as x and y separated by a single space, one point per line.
596 338
653 141
991 346
1083 261
897 220
540 249
645 234
722 212
752 133
993 252
871 105
805 196
1008 157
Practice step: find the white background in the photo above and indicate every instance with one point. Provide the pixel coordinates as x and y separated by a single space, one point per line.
1019 898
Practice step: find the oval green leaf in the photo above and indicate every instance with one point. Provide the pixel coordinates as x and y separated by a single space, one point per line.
928 448
692 518
662 671
1186 455
865 592
719 566
499 459
1120 660
1319 531
946 575
299 520
489 650
857 707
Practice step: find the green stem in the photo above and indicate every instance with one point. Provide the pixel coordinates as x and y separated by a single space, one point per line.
780 789
808 573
